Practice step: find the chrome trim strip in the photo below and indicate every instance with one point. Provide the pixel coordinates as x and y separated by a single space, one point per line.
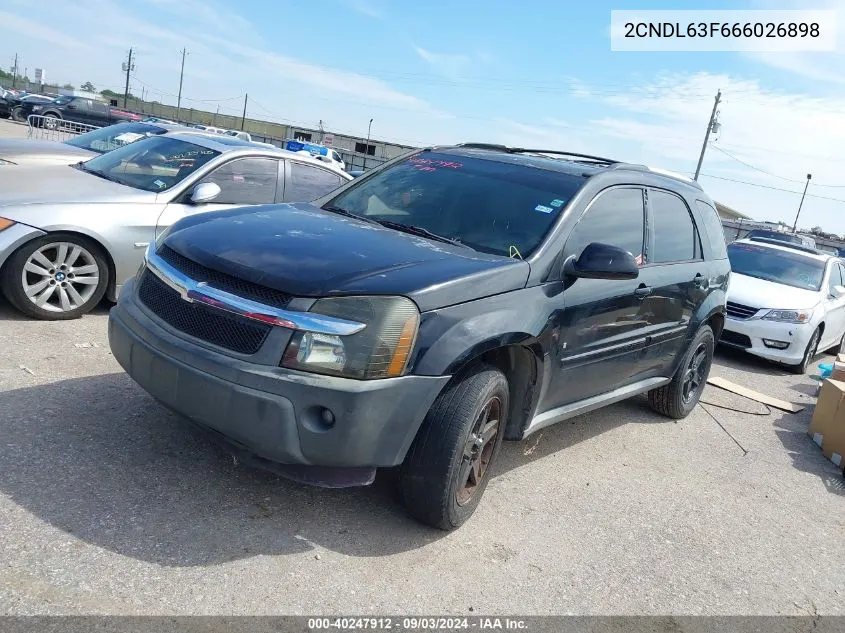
200 292
567 411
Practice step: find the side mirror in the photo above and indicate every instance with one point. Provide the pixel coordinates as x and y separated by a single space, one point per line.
838 291
602 261
205 192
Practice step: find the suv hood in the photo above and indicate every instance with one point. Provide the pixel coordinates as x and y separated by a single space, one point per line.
61 184
759 293
305 251
24 151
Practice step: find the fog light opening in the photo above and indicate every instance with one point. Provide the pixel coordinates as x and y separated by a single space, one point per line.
318 419
775 344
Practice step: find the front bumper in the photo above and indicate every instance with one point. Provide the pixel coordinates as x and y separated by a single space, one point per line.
271 412
797 335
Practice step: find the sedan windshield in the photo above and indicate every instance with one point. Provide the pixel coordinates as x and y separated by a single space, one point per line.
152 164
777 265
491 206
106 139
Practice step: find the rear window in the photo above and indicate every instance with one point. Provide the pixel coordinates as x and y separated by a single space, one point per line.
713 229
106 139
776 235
498 208
778 266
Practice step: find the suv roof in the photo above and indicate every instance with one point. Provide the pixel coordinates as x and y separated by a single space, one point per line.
572 163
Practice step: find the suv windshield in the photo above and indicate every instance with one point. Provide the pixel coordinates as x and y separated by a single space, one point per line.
106 139
779 266
494 207
152 164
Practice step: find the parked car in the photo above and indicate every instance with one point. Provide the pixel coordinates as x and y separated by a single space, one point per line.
789 238
22 151
67 243
76 109
244 136
422 313
785 302
320 152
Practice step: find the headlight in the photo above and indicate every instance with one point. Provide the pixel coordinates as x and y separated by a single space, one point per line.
788 316
380 350
5 223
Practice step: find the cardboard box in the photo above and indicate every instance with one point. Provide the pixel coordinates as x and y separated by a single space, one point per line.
840 358
827 428
838 370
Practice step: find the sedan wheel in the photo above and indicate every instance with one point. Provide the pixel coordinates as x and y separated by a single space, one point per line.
52 278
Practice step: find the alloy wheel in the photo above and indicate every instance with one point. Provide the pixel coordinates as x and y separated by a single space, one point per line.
479 449
696 373
60 277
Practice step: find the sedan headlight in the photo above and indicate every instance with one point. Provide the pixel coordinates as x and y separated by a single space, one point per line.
788 316
5 223
380 350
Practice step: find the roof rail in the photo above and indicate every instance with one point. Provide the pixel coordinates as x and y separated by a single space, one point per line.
660 172
525 150
785 244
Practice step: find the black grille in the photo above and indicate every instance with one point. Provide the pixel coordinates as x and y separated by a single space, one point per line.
229 331
739 311
735 338
222 281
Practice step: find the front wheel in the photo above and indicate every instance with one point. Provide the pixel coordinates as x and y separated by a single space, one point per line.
809 354
51 121
448 467
56 277
678 398
17 115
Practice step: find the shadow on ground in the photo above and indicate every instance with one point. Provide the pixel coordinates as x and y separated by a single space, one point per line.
9 313
98 458
791 430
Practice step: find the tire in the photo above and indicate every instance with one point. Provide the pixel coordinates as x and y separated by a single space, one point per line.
809 354
17 115
51 120
448 467
37 266
677 399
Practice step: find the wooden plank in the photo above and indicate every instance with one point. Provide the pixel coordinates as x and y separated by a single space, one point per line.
727 385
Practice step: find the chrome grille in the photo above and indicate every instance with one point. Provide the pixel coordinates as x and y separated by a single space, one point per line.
739 311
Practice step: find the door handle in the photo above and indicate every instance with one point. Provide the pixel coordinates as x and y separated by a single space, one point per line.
700 281
643 291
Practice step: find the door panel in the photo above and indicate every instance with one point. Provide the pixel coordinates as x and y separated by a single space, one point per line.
834 309
597 323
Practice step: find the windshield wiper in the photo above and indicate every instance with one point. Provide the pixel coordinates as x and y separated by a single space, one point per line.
418 230
97 172
349 214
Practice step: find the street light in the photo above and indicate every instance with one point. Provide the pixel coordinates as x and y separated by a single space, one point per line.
367 146
800 204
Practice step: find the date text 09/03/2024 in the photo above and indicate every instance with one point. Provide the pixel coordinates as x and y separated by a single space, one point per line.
417 624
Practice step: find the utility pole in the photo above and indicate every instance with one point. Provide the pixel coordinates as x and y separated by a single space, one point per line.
800 204
710 125
367 146
181 76
127 66
243 118
15 72
214 118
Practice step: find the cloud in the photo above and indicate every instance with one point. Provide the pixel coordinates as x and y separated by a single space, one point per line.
449 64
365 7
38 31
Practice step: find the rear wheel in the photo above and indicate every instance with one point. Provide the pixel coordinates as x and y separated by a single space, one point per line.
680 396
17 114
809 354
448 467
56 277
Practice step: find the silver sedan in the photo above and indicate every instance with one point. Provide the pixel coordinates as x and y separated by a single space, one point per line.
70 235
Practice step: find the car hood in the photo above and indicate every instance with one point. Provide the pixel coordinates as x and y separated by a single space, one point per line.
24 151
305 251
61 184
759 293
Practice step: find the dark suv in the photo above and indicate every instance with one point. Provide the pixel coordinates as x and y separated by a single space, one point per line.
416 317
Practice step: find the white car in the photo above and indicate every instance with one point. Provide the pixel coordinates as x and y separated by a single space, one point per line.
785 302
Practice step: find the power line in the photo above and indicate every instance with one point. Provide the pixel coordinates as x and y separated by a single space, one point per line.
763 171
755 184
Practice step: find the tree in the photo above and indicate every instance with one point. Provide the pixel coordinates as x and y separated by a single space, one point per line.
88 87
68 86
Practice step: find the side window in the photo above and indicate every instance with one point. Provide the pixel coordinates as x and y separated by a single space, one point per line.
82 104
615 217
714 230
99 108
675 238
246 181
835 278
308 182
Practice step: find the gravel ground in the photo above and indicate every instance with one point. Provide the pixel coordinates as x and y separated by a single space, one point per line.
111 505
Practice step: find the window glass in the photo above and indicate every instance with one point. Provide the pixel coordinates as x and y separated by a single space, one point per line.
308 182
714 230
105 139
777 265
152 164
246 181
492 206
675 239
835 278
615 218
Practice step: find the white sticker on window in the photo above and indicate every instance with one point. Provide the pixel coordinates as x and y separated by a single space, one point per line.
159 184
128 137
543 209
